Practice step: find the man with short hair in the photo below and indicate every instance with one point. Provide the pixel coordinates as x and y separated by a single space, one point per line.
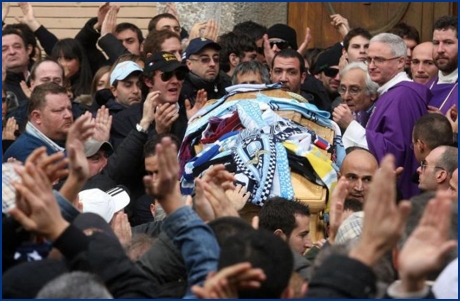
423 68
130 36
430 131
445 55
202 58
288 219
288 68
125 84
436 170
163 40
252 72
411 38
356 44
400 104
256 32
46 71
15 59
358 167
50 117
165 21
235 49
358 92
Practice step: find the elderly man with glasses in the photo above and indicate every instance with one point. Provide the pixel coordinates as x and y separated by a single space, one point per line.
358 93
400 103
435 172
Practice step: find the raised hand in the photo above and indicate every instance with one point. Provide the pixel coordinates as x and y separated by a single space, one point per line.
304 46
54 166
268 52
196 29
44 216
341 24
148 113
29 18
10 128
122 228
201 99
25 89
102 124
165 187
339 194
211 31
101 13
171 8
165 116
425 250
238 196
110 21
452 116
342 115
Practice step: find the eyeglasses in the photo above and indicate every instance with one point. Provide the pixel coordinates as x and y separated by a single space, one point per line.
379 60
424 165
180 75
280 44
207 59
353 91
331 72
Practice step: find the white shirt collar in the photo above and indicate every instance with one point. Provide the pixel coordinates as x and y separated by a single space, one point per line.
400 77
449 78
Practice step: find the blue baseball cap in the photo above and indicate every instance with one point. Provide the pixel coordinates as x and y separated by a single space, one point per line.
197 44
123 70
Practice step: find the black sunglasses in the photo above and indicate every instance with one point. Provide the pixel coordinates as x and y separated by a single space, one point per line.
280 44
331 72
180 75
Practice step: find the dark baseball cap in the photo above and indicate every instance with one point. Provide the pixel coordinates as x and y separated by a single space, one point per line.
163 61
197 44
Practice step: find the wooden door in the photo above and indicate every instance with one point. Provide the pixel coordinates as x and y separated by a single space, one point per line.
377 17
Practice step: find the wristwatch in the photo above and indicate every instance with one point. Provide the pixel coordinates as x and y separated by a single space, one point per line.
140 129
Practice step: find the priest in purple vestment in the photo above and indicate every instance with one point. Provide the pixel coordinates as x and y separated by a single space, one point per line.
400 103
445 55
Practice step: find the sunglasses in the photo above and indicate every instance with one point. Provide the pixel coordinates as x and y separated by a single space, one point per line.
331 72
280 44
180 75
206 59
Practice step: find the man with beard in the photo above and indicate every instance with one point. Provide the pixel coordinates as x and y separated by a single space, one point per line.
445 52
288 68
327 70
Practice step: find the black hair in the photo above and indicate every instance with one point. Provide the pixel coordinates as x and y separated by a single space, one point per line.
291 53
358 31
125 26
149 147
433 129
253 29
447 22
236 43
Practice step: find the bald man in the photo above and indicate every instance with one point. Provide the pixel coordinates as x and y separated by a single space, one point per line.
436 171
453 185
423 68
358 168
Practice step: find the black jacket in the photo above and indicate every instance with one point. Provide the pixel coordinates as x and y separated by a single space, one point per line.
315 88
14 91
105 98
193 83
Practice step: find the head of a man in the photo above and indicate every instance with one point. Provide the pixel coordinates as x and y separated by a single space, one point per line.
15 54
411 38
46 71
163 40
164 73
327 69
288 68
358 168
453 185
125 83
202 58
256 32
251 72
150 157
423 68
445 44
165 21
356 87
236 48
265 251
282 36
97 153
436 170
387 55
50 111
130 36
356 44
430 131
289 220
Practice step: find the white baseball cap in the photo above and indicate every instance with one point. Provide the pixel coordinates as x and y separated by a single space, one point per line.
123 70
105 204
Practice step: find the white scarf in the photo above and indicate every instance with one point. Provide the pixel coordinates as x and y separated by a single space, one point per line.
449 78
400 77
32 130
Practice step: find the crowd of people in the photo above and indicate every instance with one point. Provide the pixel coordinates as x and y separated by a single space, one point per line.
105 193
